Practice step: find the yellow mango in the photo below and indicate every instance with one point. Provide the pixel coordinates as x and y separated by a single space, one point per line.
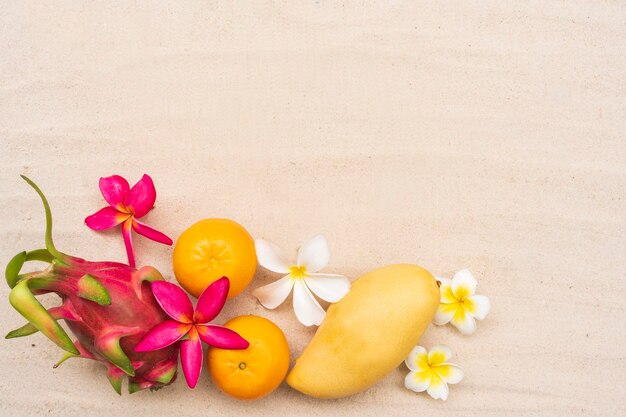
368 333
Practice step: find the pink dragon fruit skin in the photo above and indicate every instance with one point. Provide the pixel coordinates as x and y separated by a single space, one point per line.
108 306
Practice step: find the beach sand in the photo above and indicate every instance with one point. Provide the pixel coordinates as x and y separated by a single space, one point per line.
450 135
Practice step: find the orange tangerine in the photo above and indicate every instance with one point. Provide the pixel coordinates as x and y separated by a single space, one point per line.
254 372
211 249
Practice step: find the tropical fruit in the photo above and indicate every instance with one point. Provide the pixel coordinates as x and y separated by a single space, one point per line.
254 372
108 306
211 249
368 333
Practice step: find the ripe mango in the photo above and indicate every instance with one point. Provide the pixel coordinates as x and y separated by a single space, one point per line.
368 333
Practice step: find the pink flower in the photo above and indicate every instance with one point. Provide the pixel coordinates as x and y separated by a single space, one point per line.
192 324
126 206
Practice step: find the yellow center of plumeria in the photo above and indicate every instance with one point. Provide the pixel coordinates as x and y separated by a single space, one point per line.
431 371
433 363
297 272
459 304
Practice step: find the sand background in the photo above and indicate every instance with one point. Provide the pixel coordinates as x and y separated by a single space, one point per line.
482 135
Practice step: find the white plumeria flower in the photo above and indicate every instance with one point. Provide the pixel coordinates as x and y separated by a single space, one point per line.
303 277
459 304
431 371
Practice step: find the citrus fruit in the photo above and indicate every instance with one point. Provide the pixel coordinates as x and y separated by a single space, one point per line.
211 249
254 372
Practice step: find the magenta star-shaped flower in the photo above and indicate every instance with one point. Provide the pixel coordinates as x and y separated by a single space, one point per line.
126 206
189 326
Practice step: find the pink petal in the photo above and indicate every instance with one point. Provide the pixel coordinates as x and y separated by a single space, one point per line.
128 241
150 233
221 337
114 190
173 301
211 301
105 218
162 335
191 358
140 199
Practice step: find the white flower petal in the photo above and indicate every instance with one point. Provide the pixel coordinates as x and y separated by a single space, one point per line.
449 372
270 256
417 360
273 295
307 309
438 388
444 314
314 254
445 290
328 287
439 354
478 306
463 321
463 284
418 381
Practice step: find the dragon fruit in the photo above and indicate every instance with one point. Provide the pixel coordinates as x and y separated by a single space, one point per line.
109 306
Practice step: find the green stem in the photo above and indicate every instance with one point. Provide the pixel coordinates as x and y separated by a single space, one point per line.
45 282
39 255
49 244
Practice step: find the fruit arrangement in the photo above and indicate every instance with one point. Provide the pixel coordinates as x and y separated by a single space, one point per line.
138 325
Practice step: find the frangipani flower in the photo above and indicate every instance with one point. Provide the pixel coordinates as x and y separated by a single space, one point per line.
191 326
126 206
303 277
459 304
431 371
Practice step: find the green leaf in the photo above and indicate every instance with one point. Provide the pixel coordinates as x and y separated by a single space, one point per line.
116 377
65 357
23 300
12 271
109 346
25 330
